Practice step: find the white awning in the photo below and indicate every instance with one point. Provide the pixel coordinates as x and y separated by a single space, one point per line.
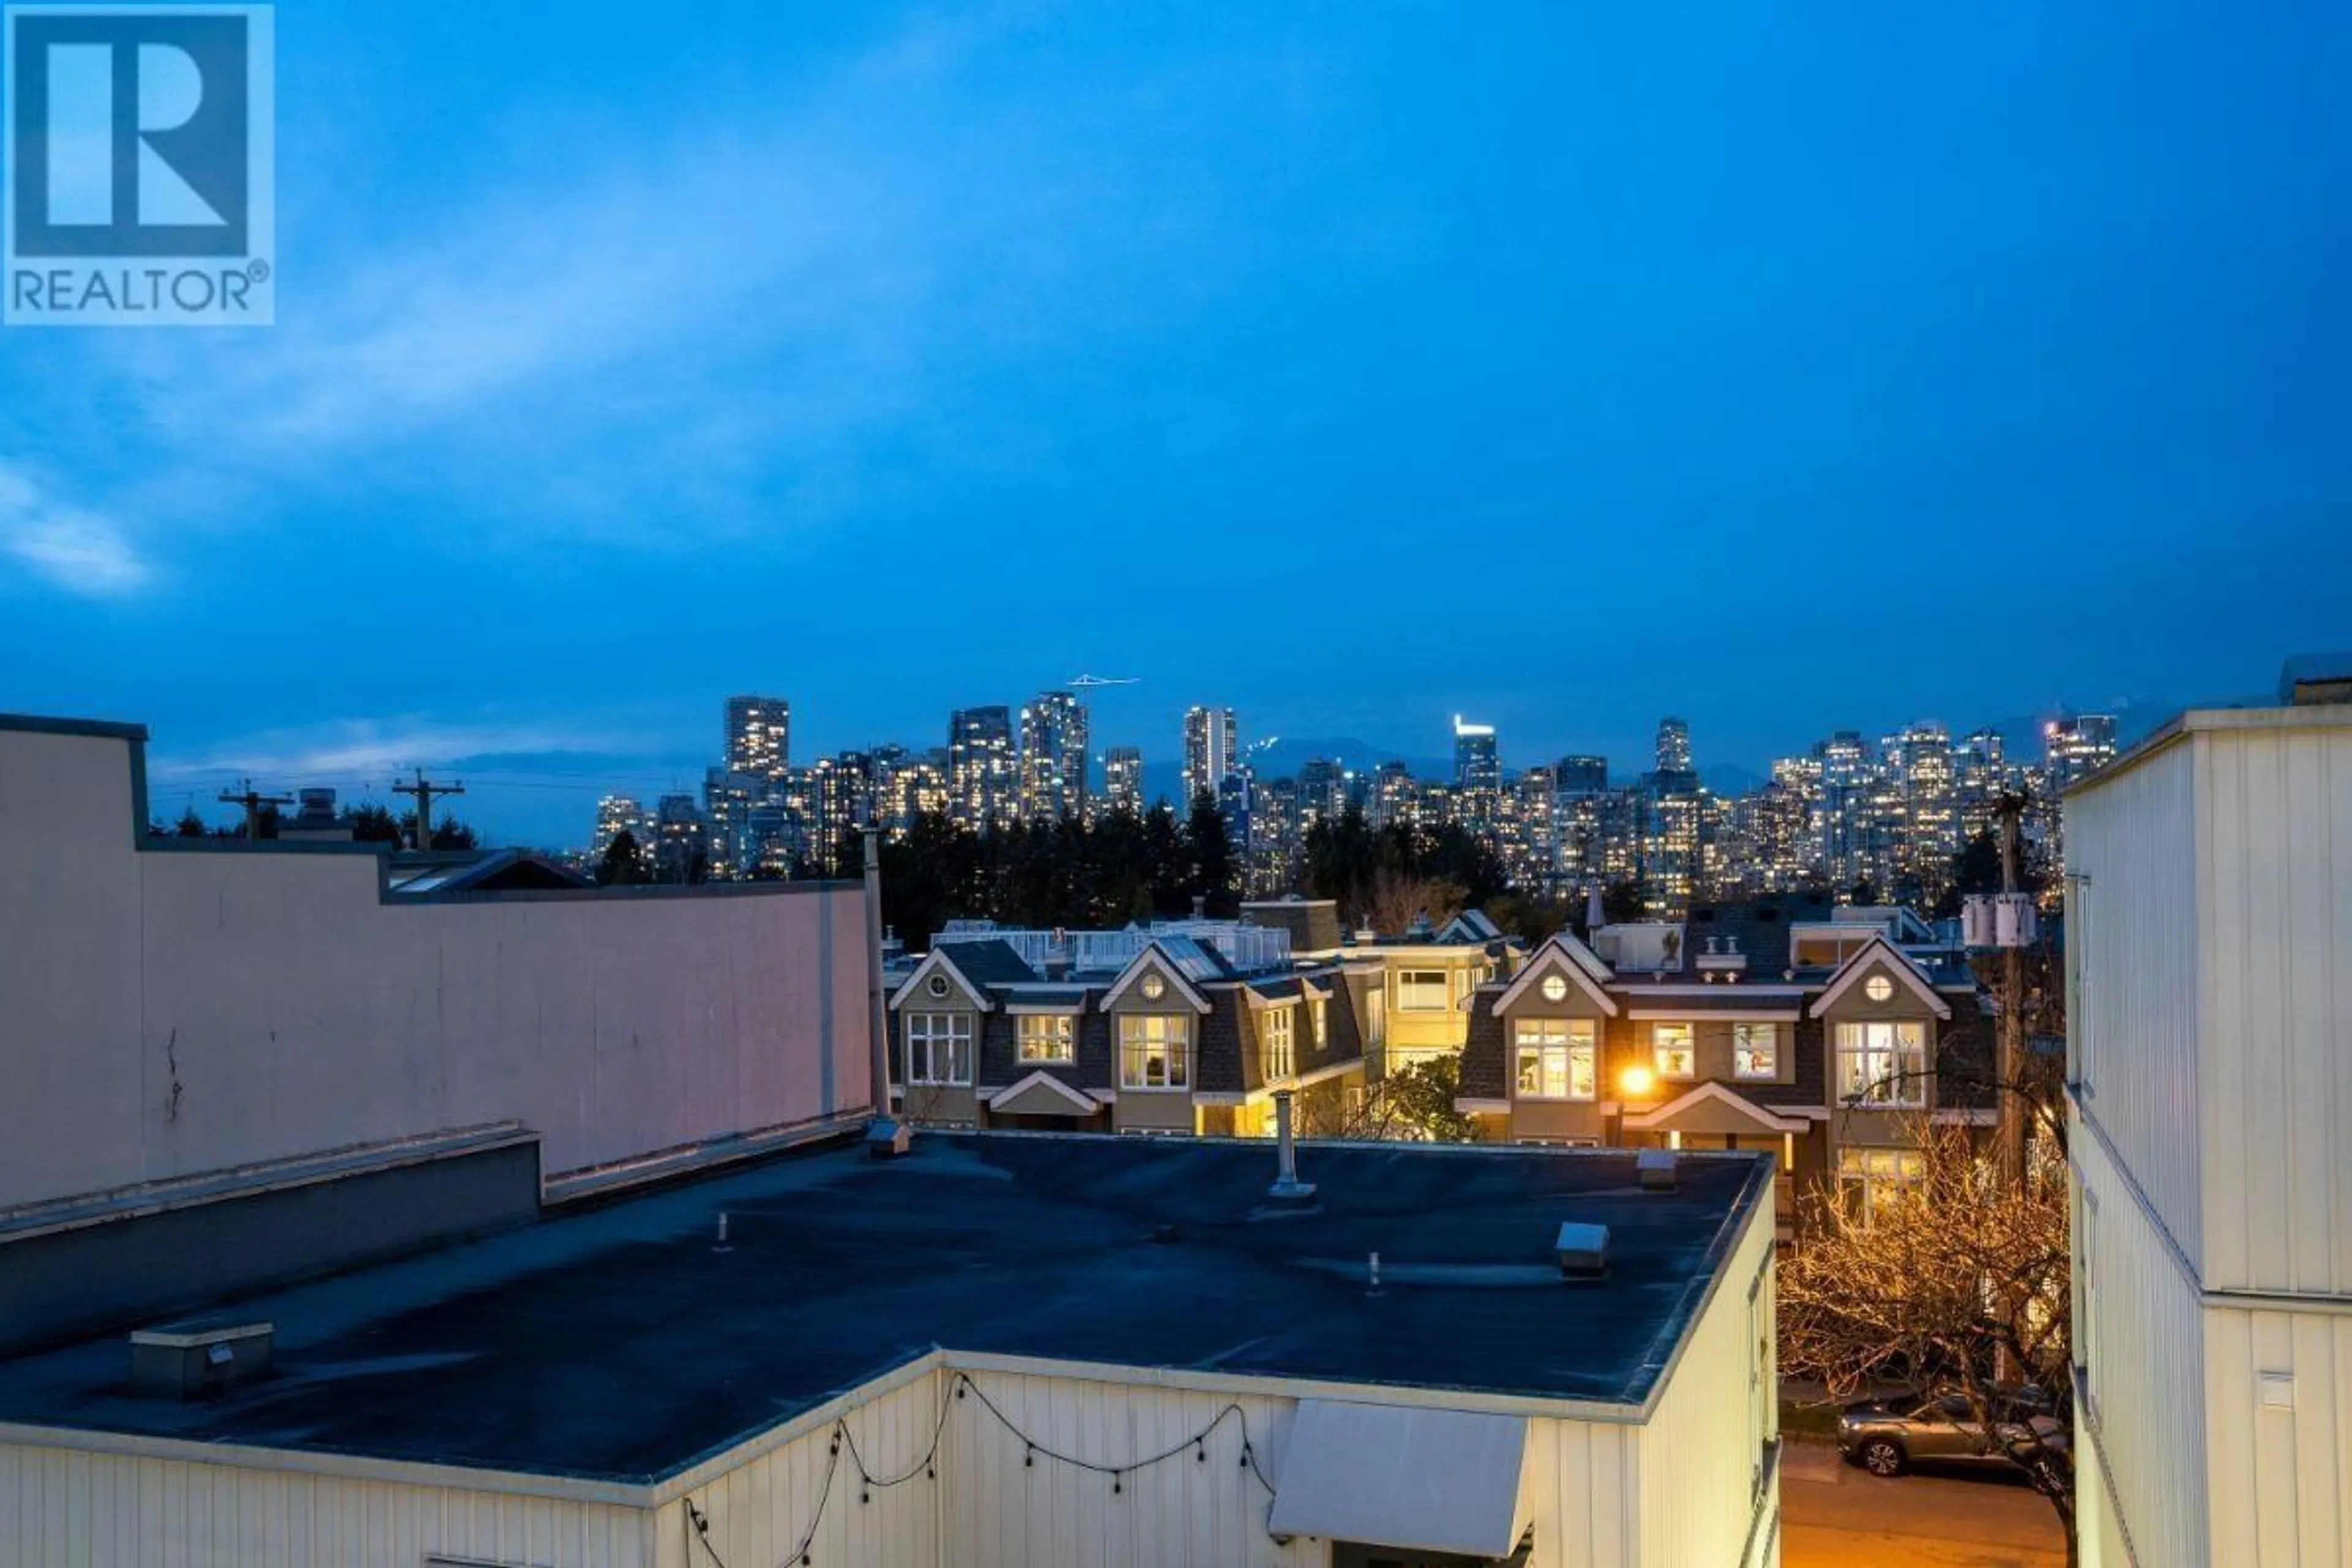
1389 1475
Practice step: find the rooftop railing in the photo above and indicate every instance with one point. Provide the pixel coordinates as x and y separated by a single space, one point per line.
1248 948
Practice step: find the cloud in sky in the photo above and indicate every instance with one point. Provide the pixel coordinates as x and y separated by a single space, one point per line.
65 546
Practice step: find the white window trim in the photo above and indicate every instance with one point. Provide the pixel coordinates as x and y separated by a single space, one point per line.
1580 1037
1657 1051
1743 1077
949 1029
1068 1043
1178 1043
1904 1088
1277 1043
1446 982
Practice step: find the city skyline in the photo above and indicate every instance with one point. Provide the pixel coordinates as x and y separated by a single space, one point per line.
1358 291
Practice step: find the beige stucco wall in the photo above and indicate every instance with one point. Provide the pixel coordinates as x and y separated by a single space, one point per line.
174 1012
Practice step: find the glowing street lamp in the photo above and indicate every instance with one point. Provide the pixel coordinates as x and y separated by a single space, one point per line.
1636 1081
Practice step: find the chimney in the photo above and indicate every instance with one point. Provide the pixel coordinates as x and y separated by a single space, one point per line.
1287 1188
1595 916
1199 906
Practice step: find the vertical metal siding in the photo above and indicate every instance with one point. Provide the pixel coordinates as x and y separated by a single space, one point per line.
64 1509
2277 936
2146 1341
1697 1455
2135 838
2281 1477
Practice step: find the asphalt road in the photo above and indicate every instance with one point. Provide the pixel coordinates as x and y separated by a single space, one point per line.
1836 1516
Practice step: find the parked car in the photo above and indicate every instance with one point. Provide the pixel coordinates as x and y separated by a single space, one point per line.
1886 1436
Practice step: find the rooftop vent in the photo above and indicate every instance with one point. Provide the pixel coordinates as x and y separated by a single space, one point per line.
196 1359
1286 1188
1654 1170
1583 1251
887 1137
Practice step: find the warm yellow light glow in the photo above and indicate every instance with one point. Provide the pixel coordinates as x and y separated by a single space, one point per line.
1636 1081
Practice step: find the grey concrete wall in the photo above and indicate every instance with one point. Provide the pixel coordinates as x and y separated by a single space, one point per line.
167 1011
70 1284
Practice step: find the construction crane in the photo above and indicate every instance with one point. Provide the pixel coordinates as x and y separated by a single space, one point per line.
1083 683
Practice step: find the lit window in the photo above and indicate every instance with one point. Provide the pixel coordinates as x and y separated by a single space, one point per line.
939 1048
1046 1036
1755 1050
1556 1059
1318 1021
1154 1050
1152 986
1277 1059
1555 988
1883 1064
1878 988
1422 991
1873 1178
1672 1051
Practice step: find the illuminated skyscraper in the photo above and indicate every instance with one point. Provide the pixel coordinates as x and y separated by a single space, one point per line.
1477 777
2075 748
1211 750
980 765
1053 765
1673 746
758 736
1123 779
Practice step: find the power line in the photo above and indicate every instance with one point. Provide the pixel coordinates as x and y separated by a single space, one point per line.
253 800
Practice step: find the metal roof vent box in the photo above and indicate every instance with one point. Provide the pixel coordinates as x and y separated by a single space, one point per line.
1583 1251
1654 1170
198 1358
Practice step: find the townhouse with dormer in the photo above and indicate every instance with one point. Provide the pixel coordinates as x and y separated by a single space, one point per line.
1188 1027
1818 1034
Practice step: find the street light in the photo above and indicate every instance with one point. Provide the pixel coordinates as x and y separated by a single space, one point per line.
1636 1081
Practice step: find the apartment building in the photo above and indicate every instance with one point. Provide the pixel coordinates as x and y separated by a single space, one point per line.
2208 909
1815 1033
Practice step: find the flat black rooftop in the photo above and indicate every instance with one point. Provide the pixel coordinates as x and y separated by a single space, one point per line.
616 1344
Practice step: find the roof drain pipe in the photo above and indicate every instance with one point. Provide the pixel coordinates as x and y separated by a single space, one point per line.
886 1135
1287 1188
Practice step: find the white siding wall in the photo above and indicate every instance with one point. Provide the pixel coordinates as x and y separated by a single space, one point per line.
59 1508
1581 1483
761 1511
1184 1514
2132 939
2281 1475
1697 1456
2275 840
126 973
2143 1329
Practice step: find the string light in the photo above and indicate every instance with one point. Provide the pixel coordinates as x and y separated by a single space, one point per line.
844 1438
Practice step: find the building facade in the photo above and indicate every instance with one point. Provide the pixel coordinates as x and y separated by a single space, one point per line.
2210 1060
1822 1034
1211 751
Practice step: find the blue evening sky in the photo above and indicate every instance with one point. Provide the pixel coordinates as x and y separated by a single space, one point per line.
1351 364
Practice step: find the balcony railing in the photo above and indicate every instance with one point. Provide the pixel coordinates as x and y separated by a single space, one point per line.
1250 949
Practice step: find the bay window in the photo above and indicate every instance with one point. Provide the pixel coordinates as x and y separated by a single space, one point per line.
1422 991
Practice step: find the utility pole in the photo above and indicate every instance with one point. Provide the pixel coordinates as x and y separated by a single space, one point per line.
2010 1058
424 790
253 800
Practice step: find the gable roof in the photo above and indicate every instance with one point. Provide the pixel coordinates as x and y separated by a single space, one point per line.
1906 970
1470 925
1715 1092
1573 957
1042 1082
1154 956
939 958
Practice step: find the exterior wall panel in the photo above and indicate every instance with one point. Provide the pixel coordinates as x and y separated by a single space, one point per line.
147 1044
64 1509
2150 1429
2132 931
2277 876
